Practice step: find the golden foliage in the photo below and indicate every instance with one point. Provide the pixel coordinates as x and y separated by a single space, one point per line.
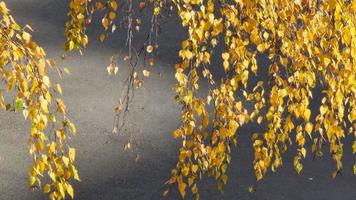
308 43
23 68
310 46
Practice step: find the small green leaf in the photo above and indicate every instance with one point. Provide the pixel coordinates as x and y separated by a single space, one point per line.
19 105
16 27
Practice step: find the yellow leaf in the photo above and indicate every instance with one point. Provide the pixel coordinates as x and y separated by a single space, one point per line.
224 178
226 65
66 70
65 160
265 35
146 73
334 174
70 191
250 189
233 125
309 128
71 45
185 171
47 188
327 61
188 99
72 128
194 168
177 133
306 114
72 154
181 187
198 107
323 109
225 56
41 67
32 180
75 173
43 104
102 37
3 8
113 5
46 81
52 148
48 97
105 23
25 113
254 68
165 193
205 121
112 15
59 88
303 152
26 36
11 83
60 105
61 190
52 175
39 146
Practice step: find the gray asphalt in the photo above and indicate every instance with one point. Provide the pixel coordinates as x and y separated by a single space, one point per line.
107 171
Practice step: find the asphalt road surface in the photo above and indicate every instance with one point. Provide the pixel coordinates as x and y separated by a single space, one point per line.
107 171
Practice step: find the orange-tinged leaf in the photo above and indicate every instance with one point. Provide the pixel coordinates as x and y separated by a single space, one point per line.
113 5
102 37
182 187
112 15
47 188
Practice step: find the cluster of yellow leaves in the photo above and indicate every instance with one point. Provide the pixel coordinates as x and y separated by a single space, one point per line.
309 44
205 151
107 21
75 27
80 16
23 68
